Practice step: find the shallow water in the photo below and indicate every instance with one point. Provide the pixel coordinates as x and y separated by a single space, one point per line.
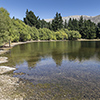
64 70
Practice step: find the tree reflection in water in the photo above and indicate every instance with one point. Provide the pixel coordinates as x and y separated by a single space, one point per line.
70 50
66 66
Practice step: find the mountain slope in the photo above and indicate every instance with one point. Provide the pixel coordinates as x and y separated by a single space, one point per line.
94 19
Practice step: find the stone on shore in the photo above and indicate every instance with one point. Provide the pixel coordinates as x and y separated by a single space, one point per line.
5 69
3 59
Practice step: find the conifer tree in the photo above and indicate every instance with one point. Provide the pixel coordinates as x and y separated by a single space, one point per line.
81 23
70 25
57 22
31 19
98 31
65 24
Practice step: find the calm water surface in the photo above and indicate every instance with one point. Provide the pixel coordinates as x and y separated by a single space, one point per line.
61 70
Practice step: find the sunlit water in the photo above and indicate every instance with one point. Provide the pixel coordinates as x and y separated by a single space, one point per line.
73 66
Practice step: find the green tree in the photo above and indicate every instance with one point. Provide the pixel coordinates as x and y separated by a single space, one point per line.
61 35
34 34
81 26
57 22
98 31
46 34
89 30
70 25
65 24
44 24
42 34
31 19
13 32
75 24
5 24
49 33
72 35
49 26
22 30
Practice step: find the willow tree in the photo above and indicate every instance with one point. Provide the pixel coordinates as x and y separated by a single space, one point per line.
5 24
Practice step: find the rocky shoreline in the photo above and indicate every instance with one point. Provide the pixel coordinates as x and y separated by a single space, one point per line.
8 84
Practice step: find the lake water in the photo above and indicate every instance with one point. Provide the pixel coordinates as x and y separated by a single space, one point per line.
59 70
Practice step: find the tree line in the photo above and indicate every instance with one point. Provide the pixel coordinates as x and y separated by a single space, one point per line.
87 28
33 28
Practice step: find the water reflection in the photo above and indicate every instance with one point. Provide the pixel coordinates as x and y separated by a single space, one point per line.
70 50
71 67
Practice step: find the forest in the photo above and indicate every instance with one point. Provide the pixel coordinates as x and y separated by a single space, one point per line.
33 28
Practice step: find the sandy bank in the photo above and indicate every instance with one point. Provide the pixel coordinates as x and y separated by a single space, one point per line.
88 40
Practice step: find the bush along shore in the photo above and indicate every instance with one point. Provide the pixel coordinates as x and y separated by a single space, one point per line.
32 28
15 30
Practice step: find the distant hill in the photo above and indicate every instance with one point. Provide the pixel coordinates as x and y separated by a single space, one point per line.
94 19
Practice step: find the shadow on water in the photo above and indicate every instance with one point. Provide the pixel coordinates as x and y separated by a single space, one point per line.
65 70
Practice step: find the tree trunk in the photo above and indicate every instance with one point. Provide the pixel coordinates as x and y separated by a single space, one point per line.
9 43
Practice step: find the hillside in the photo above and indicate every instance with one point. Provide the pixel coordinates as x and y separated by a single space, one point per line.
94 19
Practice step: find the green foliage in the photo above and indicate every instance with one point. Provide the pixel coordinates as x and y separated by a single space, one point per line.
65 24
89 30
42 34
75 35
86 28
34 29
61 35
14 33
44 24
46 34
5 22
57 22
34 33
22 30
70 25
72 35
98 31
31 19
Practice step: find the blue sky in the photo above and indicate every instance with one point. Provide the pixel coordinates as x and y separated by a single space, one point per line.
47 8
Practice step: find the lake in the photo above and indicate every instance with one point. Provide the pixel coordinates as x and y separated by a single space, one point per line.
62 70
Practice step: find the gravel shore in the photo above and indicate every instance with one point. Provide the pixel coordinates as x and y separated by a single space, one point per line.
8 87
8 84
